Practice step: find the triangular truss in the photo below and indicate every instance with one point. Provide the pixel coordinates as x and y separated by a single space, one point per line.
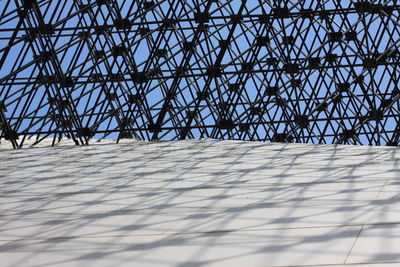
284 71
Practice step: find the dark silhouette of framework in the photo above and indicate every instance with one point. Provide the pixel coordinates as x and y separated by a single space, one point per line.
283 71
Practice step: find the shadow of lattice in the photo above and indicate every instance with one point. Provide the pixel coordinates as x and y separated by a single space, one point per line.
195 203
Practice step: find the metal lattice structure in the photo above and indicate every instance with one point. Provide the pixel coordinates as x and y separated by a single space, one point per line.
285 71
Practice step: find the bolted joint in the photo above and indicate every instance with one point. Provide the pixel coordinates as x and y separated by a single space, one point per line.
214 71
225 124
301 121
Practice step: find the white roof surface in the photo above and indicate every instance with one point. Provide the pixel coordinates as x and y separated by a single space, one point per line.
200 203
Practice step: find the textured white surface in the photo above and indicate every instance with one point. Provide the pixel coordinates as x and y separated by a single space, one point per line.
200 203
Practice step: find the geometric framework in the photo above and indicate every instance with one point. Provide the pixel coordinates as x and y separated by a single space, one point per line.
287 71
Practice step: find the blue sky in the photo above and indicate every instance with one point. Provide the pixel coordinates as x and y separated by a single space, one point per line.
245 34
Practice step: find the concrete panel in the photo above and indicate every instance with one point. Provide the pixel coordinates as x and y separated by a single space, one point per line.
200 203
